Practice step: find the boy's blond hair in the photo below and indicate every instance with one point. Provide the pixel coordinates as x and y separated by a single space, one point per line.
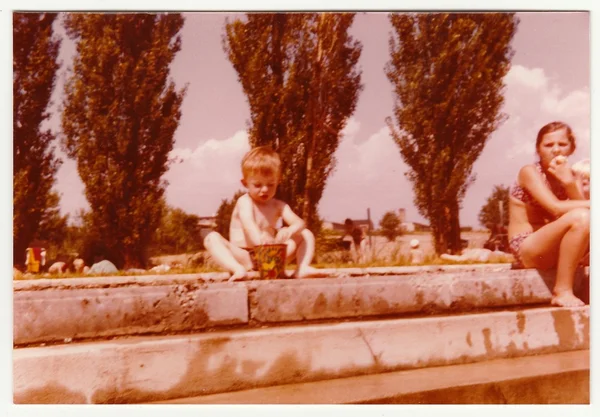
582 168
261 160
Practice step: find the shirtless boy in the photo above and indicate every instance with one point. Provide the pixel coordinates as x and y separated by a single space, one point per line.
255 217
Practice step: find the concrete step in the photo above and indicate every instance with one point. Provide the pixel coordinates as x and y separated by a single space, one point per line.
143 369
557 378
208 277
51 311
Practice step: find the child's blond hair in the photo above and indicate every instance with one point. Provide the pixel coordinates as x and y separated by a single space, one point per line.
261 160
582 168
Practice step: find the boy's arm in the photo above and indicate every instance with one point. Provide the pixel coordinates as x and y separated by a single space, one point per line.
294 223
250 227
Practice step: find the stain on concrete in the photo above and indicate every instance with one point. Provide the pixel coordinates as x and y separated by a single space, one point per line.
487 341
584 319
469 341
518 291
51 393
564 325
521 320
231 375
382 306
420 297
320 304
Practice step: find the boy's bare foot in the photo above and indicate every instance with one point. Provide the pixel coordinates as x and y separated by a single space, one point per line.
566 299
239 275
308 272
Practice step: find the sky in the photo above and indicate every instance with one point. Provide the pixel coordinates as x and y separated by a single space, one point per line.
549 80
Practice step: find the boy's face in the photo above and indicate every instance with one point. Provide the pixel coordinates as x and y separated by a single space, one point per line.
261 188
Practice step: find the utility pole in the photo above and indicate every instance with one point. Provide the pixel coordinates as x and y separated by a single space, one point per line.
501 205
369 225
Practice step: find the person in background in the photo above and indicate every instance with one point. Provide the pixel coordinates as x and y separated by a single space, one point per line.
354 240
416 253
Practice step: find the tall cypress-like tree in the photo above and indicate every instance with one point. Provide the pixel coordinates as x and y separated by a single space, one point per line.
490 212
121 112
299 72
35 52
447 72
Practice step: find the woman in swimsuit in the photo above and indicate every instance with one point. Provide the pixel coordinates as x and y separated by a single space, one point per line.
549 222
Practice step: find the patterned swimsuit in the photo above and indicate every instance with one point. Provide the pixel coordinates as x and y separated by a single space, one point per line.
523 195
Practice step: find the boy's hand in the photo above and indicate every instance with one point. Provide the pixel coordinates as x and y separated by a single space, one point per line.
283 235
266 239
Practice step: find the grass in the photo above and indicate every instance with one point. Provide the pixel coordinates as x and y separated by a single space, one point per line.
396 259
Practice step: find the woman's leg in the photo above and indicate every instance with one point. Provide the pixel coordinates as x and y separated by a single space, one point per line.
561 243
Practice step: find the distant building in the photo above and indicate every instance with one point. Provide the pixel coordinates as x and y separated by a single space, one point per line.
207 224
340 227
409 227
402 215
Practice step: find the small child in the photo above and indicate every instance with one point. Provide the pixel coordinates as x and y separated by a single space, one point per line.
255 217
581 170
416 254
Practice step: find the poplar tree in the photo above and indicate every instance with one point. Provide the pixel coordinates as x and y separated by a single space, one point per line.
300 74
35 53
447 73
120 114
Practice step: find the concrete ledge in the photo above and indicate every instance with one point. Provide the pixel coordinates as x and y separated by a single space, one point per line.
161 368
557 378
58 315
281 301
66 313
208 277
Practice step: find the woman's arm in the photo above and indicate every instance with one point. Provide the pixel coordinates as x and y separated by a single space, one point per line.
531 180
561 170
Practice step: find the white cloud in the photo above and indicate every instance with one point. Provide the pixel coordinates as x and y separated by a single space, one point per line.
532 100
533 78
369 175
206 175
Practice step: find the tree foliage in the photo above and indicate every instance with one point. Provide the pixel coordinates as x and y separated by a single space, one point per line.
35 52
489 215
121 112
224 212
390 226
53 226
179 232
299 73
447 72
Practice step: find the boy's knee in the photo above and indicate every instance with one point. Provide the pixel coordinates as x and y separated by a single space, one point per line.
308 235
210 239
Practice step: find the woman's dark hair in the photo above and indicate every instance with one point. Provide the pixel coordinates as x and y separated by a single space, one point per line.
553 127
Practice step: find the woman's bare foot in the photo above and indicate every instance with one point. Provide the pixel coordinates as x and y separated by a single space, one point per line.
239 275
566 299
